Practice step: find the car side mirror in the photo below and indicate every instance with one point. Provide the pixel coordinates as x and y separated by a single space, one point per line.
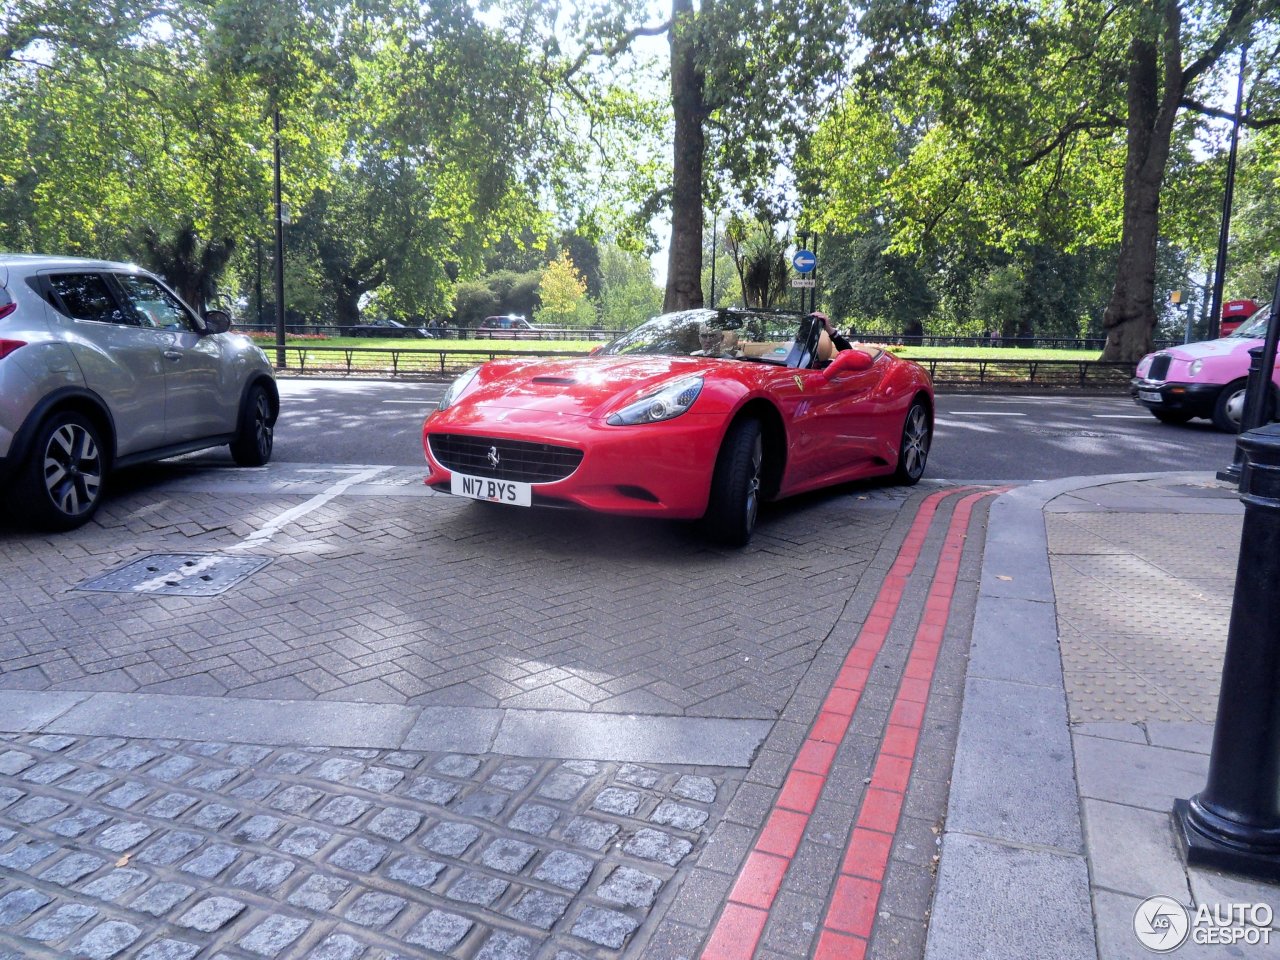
217 321
847 361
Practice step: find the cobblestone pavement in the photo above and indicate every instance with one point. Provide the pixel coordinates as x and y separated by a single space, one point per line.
165 849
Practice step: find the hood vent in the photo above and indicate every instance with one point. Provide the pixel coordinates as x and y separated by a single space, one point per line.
556 381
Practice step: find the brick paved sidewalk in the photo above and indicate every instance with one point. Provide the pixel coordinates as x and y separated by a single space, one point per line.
558 753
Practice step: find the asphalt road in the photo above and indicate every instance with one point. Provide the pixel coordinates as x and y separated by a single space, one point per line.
979 437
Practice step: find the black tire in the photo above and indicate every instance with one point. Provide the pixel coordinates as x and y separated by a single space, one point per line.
60 486
913 451
256 437
1229 406
735 486
1174 417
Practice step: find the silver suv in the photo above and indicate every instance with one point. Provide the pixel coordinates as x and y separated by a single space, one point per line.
102 366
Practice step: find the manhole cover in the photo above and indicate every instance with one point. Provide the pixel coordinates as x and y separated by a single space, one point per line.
178 574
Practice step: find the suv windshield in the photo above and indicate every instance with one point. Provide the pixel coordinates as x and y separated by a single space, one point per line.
736 334
1255 326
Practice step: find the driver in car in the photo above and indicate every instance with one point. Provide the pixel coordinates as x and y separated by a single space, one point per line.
717 343
837 340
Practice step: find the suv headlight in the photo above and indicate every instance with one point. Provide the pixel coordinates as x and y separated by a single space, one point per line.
456 388
664 404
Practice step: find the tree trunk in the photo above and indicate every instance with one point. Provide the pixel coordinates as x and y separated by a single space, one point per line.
1130 317
684 258
347 302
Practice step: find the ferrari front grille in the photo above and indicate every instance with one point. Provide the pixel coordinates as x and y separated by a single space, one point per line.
500 459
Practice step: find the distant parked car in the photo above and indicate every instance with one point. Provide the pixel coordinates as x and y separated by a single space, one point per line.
390 329
1205 379
102 366
510 326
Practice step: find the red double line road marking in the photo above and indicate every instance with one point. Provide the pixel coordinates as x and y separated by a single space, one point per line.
849 920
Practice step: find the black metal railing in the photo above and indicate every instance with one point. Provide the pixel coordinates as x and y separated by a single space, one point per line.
948 372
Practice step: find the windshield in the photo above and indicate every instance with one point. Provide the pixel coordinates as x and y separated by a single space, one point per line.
780 338
1255 326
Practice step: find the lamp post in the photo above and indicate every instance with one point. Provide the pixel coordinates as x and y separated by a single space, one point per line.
280 356
715 223
1224 232
1233 824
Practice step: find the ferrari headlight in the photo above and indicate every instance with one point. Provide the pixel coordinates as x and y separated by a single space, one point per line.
456 388
670 401
1194 369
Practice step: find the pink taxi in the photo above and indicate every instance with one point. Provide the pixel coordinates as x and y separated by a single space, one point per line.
1205 379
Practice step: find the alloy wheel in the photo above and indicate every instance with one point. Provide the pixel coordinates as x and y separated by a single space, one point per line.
915 442
72 469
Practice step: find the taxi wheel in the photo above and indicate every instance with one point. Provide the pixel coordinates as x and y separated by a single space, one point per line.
735 486
1228 411
1229 406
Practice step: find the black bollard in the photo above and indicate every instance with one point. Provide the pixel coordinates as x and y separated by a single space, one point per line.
1233 824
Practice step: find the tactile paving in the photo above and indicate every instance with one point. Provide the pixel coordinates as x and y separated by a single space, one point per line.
1144 606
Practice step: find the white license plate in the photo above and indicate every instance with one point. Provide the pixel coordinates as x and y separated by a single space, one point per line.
1150 396
497 491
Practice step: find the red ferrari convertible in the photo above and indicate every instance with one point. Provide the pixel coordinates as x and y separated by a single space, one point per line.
697 414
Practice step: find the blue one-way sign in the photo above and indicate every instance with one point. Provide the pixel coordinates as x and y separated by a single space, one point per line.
804 261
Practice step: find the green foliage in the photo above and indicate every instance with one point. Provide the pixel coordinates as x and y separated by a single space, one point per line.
502 292
563 296
873 289
758 251
628 295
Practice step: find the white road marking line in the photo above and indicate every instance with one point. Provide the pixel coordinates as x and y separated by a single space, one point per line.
265 533
1122 416
983 413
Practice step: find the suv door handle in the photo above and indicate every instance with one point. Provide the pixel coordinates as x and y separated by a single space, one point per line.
174 355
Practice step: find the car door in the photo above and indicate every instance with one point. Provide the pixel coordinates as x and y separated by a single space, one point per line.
121 362
833 423
199 400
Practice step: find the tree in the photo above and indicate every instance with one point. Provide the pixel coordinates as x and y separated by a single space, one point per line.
759 256
192 264
1025 104
628 295
563 293
734 64
873 288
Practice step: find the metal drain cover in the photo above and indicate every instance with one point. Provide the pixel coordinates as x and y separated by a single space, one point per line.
178 575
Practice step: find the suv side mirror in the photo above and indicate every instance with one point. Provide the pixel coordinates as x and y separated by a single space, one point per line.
217 321
847 361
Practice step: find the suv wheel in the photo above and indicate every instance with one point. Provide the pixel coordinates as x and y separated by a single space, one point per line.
60 486
256 437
